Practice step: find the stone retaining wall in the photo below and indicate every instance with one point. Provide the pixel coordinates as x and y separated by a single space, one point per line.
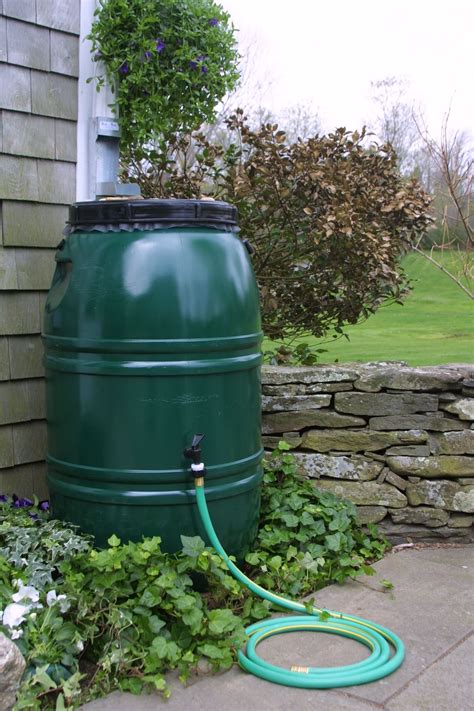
395 440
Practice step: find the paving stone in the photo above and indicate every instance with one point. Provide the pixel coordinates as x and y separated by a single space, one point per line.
15 91
425 515
28 45
294 402
354 468
26 357
64 54
6 447
14 402
373 404
19 313
399 378
371 514
59 14
8 278
21 9
18 178
286 421
54 95
29 442
463 408
27 135
453 442
4 360
57 182
364 493
422 422
66 140
27 224
442 494
276 375
434 684
35 268
433 467
25 480
357 441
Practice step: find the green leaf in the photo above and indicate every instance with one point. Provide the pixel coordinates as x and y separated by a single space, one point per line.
193 546
193 618
334 542
211 651
185 602
156 624
290 520
221 621
252 558
113 541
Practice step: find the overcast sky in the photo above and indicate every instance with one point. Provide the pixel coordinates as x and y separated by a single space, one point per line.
328 51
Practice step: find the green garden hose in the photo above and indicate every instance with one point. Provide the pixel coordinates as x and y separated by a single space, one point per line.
387 650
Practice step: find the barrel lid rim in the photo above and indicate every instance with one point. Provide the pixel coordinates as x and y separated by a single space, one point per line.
171 210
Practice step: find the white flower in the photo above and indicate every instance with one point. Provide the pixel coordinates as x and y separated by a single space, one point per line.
79 646
16 634
52 597
14 614
26 592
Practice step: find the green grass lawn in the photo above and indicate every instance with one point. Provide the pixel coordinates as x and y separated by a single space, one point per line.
434 325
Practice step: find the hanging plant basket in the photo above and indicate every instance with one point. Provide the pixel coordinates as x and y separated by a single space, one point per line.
170 61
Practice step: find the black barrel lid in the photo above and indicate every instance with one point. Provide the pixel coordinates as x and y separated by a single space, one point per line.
194 212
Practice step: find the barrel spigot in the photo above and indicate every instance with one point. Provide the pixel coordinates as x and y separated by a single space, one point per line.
194 453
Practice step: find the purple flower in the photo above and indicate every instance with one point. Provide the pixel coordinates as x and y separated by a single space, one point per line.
124 68
160 45
34 516
43 505
194 63
20 503
3 498
148 55
213 22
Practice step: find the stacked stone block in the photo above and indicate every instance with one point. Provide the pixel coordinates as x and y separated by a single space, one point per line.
39 65
396 441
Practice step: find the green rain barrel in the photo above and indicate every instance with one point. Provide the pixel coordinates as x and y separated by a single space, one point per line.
152 334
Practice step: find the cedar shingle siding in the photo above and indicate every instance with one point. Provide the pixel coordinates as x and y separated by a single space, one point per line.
39 66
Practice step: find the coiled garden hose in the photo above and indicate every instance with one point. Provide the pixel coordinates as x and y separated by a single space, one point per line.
387 650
